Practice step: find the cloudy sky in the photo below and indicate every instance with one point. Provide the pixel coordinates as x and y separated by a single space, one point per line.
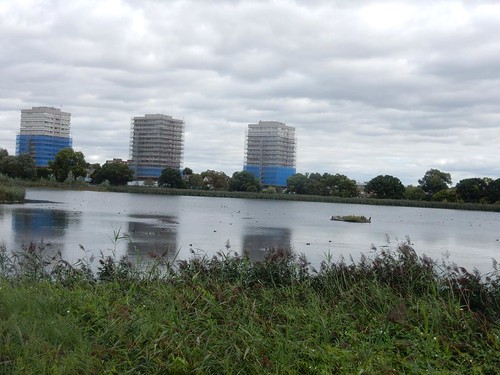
372 87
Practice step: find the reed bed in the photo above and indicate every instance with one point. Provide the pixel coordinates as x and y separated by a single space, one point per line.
306 198
11 194
391 313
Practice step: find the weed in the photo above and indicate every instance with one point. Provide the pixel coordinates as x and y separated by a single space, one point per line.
392 312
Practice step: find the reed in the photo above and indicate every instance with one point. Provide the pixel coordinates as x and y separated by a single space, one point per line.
391 313
12 194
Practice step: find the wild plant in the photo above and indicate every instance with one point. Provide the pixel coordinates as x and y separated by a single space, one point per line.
12 194
6 265
32 261
475 291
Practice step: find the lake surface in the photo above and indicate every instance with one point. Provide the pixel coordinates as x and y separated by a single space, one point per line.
72 220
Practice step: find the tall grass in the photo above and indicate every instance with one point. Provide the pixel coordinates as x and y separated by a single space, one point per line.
11 194
391 313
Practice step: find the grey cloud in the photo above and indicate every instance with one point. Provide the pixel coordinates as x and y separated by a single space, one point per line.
369 92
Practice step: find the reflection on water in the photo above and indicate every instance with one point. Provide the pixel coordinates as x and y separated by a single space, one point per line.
47 226
151 235
171 224
256 240
33 224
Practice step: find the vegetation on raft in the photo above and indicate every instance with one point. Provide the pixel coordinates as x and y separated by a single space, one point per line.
391 313
352 219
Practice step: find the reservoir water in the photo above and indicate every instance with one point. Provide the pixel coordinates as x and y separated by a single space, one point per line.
136 225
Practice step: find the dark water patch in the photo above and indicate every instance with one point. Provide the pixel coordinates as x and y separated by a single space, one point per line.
40 201
162 218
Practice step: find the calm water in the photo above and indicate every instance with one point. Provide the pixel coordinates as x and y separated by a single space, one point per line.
68 219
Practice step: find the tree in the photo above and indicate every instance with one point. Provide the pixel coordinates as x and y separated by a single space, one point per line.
314 187
271 190
9 166
386 187
297 183
187 171
338 186
415 193
27 168
493 191
171 178
434 180
472 190
68 160
22 166
445 195
195 181
43 172
244 181
215 180
115 173
3 153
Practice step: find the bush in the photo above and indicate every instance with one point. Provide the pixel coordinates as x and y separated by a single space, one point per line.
11 194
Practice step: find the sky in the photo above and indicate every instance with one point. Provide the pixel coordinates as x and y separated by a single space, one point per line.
371 87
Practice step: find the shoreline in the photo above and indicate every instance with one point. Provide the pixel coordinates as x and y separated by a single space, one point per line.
283 197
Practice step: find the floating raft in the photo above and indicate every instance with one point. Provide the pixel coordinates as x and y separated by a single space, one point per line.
352 219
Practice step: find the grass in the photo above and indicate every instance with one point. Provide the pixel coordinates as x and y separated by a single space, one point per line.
10 192
392 313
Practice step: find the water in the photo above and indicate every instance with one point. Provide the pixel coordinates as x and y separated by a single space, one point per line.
136 225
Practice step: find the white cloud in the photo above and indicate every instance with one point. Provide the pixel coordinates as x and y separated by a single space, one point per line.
372 87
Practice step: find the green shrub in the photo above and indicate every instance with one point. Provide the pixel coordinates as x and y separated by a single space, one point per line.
11 194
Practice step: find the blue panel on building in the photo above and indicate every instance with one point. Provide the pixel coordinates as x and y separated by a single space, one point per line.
42 148
270 175
148 172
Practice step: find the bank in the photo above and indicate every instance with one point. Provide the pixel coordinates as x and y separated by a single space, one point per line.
153 190
396 314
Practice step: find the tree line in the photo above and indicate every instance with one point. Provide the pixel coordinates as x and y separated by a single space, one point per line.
70 166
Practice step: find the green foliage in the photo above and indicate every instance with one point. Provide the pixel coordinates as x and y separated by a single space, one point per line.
393 313
270 190
21 166
434 180
415 193
326 185
386 187
445 195
43 172
195 181
472 190
352 219
27 169
171 178
68 160
11 194
115 173
215 180
338 186
493 191
297 184
10 191
244 181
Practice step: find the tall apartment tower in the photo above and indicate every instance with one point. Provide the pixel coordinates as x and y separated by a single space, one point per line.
270 152
44 132
156 142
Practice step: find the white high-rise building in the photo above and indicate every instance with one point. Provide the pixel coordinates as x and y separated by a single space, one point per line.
270 152
43 133
156 142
